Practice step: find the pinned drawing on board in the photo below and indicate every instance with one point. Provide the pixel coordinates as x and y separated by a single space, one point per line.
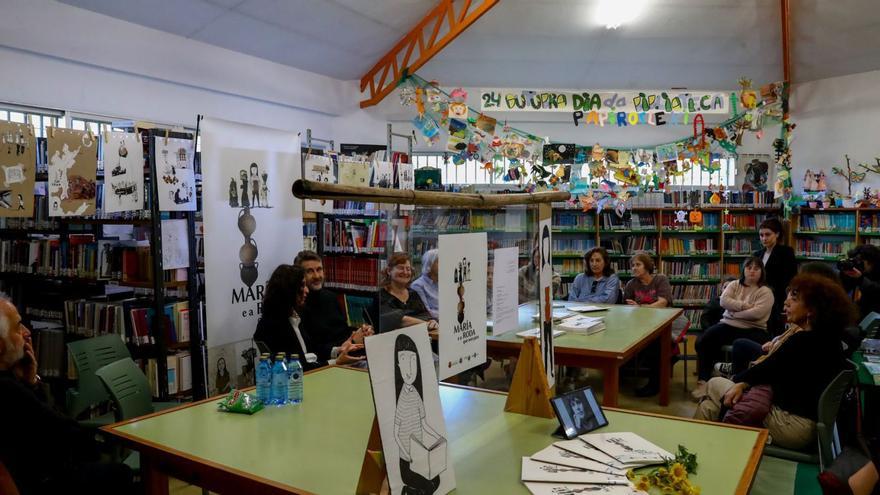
124 183
407 400
318 169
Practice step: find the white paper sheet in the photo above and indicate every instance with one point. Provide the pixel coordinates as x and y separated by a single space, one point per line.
505 311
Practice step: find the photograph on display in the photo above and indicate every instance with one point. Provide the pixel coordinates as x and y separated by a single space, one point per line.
73 163
18 159
123 172
462 292
578 412
176 179
318 169
411 424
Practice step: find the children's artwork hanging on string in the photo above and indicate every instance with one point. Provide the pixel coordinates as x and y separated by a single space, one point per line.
383 174
318 169
73 163
354 172
406 181
123 172
18 160
176 181
557 153
756 174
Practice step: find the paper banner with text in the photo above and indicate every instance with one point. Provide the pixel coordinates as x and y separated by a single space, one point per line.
73 164
462 281
248 231
19 163
647 101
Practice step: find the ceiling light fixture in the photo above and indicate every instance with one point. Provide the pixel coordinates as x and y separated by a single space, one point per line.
614 13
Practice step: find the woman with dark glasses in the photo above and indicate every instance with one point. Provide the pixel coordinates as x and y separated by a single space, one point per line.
598 283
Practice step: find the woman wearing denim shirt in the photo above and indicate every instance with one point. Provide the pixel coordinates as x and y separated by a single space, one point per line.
598 283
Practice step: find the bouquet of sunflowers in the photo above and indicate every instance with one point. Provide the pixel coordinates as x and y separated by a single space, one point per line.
670 478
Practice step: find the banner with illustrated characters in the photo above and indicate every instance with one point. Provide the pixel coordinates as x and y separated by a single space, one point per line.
605 102
535 162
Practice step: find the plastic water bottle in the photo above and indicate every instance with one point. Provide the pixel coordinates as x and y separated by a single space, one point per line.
279 381
295 380
264 379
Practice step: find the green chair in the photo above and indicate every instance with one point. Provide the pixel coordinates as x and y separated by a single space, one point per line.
826 428
129 390
88 355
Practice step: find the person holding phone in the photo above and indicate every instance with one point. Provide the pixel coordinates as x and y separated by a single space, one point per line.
44 450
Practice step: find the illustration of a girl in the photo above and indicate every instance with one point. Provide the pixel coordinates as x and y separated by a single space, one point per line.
255 185
409 418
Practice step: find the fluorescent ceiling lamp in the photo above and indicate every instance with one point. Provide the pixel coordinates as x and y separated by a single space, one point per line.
614 13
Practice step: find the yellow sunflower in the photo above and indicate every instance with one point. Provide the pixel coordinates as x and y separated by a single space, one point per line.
678 471
643 485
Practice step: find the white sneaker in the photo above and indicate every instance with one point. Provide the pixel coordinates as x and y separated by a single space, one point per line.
723 369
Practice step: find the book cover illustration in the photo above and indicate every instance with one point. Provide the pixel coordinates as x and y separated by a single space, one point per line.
123 172
18 157
318 169
176 180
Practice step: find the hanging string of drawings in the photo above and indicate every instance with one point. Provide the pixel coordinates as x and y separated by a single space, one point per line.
539 163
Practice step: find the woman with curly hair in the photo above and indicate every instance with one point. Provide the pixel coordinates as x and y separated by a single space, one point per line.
795 373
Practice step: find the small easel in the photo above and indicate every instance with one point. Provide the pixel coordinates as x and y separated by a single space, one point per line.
529 392
374 474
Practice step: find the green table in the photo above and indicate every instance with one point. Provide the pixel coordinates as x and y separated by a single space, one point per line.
318 447
629 329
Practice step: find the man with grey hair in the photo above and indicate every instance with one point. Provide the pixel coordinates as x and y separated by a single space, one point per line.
426 285
44 450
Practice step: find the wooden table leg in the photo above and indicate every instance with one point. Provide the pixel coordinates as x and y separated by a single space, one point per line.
611 385
665 364
155 481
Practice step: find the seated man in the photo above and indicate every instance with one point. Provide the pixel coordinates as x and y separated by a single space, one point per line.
45 451
322 318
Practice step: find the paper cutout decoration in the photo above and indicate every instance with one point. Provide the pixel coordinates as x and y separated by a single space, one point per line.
176 179
383 174
407 400
486 124
667 152
318 169
18 160
428 178
458 110
558 153
123 172
611 156
354 172
73 163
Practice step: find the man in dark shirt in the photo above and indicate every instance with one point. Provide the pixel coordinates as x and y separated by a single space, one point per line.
45 451
322 317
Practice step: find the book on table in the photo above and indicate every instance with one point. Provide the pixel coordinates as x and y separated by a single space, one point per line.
534 333
582 324
428 460
586 308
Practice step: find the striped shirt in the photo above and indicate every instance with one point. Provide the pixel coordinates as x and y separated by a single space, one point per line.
408 418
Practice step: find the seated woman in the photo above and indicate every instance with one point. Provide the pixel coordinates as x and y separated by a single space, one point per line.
598 283
650 290
798 370
278 327
426 285
528 279
747 303
396 296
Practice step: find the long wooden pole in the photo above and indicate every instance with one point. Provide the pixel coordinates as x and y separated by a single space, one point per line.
306 189
786 40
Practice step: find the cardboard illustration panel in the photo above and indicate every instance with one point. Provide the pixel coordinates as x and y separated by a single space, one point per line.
123 172
409 413
354 172
545 299
319 169
73 163
175 176
383 174
18 161
462 288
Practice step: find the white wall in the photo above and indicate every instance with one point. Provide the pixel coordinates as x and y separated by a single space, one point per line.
834 117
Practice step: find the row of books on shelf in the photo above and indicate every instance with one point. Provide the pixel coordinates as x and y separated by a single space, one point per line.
824 222
693 294
732 269
630 221
436 219
354 236
693 316
179 366
741 245
511 220
354 208
680 247
690 270
572 220
345 272
749 221
822 249
630 244
708 221
561 245
131 319
702 197
49 348
869 222
568 267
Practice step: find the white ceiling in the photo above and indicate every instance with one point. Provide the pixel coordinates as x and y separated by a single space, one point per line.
536 43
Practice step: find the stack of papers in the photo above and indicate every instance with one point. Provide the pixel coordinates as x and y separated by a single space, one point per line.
558 314
593 463
582 324
586 308
534 333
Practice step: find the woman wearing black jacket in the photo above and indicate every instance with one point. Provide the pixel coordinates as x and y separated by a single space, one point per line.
779 266
279 325
800 369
